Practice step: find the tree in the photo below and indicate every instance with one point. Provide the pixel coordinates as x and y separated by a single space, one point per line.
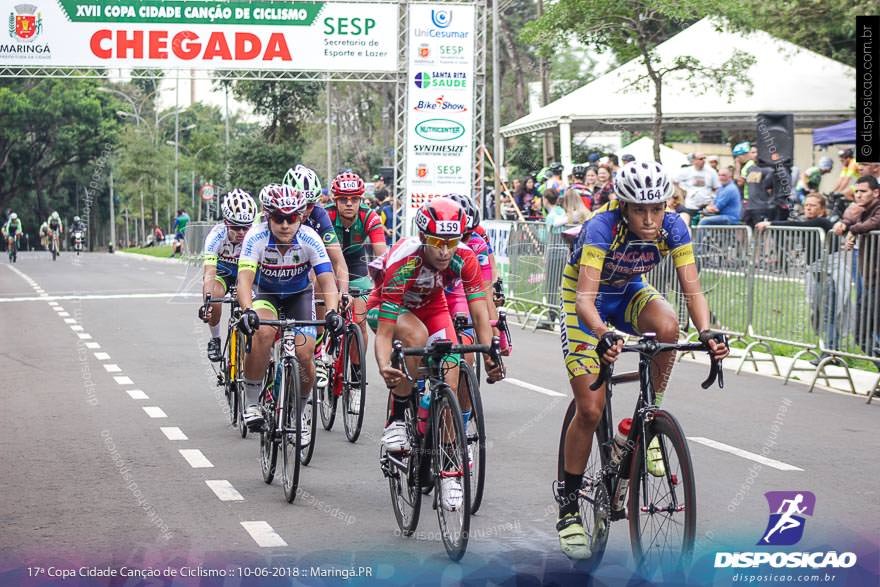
287 105
256 162
634 29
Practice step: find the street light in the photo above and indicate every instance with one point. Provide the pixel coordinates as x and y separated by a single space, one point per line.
177 130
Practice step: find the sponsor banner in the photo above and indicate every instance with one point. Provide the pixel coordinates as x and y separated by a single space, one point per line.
262 35
440 102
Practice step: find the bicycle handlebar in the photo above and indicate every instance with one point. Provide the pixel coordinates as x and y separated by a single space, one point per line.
652 347
439 348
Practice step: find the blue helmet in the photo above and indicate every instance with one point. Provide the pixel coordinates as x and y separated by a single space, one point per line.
741 148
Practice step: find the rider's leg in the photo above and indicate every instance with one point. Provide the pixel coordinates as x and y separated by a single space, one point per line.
359 310
579 436
305 352
257 360
218 290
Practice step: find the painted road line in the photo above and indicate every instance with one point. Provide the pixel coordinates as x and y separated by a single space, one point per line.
63 314
263 534
224 490
92 345
76 327
84 336
155 412
123 380
135 296
102 356
173 433
112 368
533 387
744 454
70 320
195 458
53 303
137 394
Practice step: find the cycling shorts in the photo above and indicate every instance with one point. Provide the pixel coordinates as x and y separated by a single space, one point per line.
299 306
457 302
365 284
619 306
434 316
227 281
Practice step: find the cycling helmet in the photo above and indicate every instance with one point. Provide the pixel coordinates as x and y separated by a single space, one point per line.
469 208
76 218
441 217
846 153
238 208
643 183
826 163
347 184
13 216
282 198
304 180
741 148
54 214
556 168
579 171
627 158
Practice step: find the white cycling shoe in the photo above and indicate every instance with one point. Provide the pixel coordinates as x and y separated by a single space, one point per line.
451 493
253 418
305 432
394 438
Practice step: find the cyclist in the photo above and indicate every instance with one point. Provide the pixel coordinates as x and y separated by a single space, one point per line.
277 257
603 282
44 235
356 225
12 230
77 226
408 305
579 173
848 174
812 177
56 228
222 248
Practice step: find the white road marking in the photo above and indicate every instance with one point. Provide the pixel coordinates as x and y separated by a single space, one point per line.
92 345
173 433
224 490
263 534
63 314
123 380
102 356
160 273
70 320
112 368
195 458
744 454
76 328
137 394
84 336
532 387
155 412
53 303
134 296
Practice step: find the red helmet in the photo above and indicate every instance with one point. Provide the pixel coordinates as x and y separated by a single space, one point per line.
441 217
347 184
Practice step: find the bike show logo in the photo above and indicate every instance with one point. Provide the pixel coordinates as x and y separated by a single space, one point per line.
439 104
441 18
439 129
25 23
441 79
785 527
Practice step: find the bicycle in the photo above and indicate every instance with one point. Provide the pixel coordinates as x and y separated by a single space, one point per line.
282 408
653 502
346 379
475 431
440 454
231 362
53 244
12 245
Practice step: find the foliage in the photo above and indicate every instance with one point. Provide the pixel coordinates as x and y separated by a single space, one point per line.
256 162
287 106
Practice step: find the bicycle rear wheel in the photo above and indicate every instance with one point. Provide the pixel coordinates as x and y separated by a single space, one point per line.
662 510
327 400
268 441
290 429
449 461
475 433
354 383
594 502
404 483
310 406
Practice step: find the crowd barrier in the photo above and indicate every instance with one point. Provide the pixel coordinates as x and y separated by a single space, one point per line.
799 287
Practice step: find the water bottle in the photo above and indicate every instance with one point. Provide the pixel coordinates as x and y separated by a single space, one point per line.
618 448
424 404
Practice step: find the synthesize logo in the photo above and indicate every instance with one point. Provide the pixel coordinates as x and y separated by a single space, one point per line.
787 511
441 18
25 24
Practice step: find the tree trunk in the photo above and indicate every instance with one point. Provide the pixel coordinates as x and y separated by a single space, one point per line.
521 100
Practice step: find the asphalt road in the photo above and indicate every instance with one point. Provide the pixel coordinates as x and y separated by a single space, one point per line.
105 383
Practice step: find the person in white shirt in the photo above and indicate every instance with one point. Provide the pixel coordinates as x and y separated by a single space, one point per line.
700 183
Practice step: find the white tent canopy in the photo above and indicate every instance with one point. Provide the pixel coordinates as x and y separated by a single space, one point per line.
643 150
785 78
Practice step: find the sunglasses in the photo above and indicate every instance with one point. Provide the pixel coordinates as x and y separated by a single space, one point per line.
292 218
440 242
236 227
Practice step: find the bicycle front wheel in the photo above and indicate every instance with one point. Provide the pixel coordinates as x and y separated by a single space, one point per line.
452 480
662 509
354 384
291 429
327 400
238 380
594 502
404 479
268 441
475 433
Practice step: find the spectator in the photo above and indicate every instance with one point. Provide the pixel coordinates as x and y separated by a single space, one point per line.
761 205
551 177
811 178
556 216
180 222
676 203
727 207
380 190
815 215
712 160
517 184
744 158
508 207
525 195
605 188
627 158
579 175
848 173
576 212
386 214
613 165
535 212
699 183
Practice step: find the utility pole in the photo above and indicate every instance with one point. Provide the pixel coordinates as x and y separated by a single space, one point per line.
143 233
544 71
228 180
329 138
496 106
112 215
176 141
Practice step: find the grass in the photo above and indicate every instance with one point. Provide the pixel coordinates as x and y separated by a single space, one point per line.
160 251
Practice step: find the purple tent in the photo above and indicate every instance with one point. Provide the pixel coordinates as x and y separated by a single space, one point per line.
845 132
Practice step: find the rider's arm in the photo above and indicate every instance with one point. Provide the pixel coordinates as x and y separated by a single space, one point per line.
587 291
376 234
248 263
212 246
327 286
244 285
340 268
210 272
697 306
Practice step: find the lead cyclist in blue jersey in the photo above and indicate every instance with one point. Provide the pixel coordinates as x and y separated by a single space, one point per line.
603 287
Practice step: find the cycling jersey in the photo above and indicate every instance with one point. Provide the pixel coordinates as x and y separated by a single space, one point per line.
606 244
222 253
286 273
12 227
320 222
366 226
455 296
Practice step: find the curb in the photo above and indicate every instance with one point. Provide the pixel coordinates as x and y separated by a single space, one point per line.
175 261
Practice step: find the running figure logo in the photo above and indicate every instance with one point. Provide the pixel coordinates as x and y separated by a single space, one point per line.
787 511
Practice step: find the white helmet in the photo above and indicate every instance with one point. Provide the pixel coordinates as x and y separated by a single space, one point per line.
643 183
238 207
282 198
76 218
13 216
305 181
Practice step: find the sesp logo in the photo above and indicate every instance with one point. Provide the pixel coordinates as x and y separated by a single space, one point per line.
787 511
441 18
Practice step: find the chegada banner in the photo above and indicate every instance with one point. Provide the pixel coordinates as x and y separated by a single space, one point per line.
199 34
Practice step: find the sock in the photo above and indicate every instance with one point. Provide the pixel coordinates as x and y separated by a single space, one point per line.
658 398
398 407
215 330
252 389
569 503
466 416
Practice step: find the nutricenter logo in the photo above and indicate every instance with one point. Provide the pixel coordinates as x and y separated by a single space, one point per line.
439 129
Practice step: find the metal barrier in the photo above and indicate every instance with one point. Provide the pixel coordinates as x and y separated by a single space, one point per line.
194 240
